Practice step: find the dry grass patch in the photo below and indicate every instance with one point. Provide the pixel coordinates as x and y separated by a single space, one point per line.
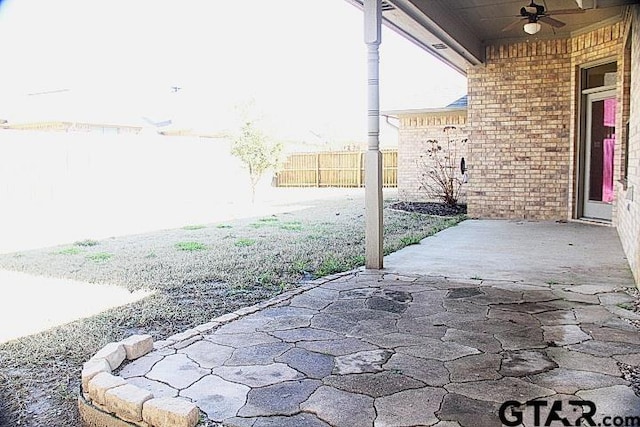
40 373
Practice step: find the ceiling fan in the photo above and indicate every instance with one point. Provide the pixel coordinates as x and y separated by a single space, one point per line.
534 13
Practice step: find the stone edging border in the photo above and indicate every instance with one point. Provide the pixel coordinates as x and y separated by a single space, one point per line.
107 400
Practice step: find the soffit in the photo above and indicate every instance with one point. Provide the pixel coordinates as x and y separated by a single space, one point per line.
457 31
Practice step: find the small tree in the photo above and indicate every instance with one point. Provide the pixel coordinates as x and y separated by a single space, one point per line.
257 152
441 173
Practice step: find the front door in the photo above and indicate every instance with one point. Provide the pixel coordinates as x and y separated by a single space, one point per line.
599 147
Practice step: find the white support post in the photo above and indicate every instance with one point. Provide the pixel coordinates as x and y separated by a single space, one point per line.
373 160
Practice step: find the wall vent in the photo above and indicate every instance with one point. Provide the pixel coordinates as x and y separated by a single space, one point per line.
387 6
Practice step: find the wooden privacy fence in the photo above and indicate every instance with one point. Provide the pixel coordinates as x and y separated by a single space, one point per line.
334 169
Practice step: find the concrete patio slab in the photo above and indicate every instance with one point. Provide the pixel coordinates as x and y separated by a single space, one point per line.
412 346
533 252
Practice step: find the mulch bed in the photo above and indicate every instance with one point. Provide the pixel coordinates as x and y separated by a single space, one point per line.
430 208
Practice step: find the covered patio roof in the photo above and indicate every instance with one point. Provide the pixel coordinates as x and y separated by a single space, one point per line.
457 31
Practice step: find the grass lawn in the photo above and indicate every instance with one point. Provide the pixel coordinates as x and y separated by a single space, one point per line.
197 272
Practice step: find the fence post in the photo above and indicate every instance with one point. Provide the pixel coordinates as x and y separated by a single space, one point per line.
317 169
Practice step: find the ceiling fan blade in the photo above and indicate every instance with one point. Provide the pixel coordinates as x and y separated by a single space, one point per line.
513 25
496 17
565 11
553 22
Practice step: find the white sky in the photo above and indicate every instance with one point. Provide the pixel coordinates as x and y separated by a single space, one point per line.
303 61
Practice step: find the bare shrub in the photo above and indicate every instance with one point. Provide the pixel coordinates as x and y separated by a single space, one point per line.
440 168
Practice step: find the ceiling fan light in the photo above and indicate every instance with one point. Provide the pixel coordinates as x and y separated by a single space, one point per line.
532 27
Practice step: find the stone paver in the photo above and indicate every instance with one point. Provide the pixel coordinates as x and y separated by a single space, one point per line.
206 354
583 361
218 398
244 325
340 408
500 390
592 314
287 323
305 334
409 408
241 340
332 323
475 368
430 372
629 359
570 381
564 335
374 385
114 353
404 339
156 388
92 368
483 342
614 401
258 376
165 411
126 401
137 346
524 338
447 424
311 364
606 348
612 334
140 367
428 327
522 363
468 412
589 289
558 317
361 362
278 399
102 382
177 370
299 420
439 350
262 354
316 299
397 350
339 347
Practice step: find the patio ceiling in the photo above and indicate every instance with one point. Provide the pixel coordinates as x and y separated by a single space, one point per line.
457 31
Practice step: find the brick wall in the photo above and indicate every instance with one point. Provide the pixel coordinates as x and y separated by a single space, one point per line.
522 122
519 115
628 212
523 126
416 128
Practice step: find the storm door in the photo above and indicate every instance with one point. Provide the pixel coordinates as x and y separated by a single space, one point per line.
598 150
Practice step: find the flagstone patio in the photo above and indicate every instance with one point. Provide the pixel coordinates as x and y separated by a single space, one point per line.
392 349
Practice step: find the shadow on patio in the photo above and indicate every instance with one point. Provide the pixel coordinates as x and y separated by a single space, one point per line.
477 315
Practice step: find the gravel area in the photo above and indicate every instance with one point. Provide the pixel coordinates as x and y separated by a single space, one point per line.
632 372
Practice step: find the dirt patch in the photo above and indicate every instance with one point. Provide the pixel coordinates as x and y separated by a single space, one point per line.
430 208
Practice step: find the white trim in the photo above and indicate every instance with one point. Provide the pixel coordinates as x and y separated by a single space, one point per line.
599 89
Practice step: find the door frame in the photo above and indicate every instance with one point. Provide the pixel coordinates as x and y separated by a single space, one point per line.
588 96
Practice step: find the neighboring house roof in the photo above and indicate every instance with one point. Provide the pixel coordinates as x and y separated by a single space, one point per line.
459 105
